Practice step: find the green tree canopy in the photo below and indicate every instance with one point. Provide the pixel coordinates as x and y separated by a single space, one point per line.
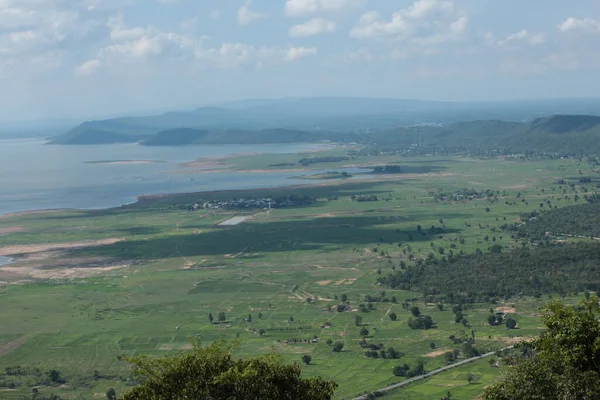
566 360
210 372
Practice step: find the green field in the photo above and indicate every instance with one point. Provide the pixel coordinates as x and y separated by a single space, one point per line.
143 279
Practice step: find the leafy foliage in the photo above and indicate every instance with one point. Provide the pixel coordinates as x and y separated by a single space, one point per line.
212 373
566 364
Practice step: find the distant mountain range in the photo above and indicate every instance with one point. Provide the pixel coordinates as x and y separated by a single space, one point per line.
353 119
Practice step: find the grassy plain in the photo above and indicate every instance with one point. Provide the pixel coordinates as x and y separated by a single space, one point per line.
153 287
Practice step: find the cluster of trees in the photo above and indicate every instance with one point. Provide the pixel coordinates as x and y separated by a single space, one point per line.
10 378
565 268
324 159
379 351
211 372
407 371
563 363
380 298
221 317
419 321
497 319
460 195
578 220
364 197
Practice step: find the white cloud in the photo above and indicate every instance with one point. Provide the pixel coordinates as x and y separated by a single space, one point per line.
29 28
586 25
134 44
300 7
246 16
294 53
425 22
88 67
523 36
313 27
215 14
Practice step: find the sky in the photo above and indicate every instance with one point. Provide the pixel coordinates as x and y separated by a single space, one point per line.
82 58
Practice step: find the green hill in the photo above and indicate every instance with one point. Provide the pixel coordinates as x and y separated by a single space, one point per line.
188 136
562 134
175 137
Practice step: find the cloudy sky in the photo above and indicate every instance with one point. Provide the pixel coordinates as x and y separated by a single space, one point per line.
65 58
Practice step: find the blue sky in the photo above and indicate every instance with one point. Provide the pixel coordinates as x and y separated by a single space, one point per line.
71 58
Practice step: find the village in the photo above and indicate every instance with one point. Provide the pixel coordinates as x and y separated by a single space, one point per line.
254 203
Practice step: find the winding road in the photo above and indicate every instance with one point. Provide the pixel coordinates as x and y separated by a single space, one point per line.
431 373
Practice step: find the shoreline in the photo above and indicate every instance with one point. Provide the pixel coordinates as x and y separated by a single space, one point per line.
148 199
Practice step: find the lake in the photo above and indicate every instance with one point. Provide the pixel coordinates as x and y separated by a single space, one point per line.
35 176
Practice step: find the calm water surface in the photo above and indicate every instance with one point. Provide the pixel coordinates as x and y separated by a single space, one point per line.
36 176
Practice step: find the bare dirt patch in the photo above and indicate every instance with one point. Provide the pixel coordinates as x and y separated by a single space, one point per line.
12 345
57 270
10 229
338 283
20 250
323 283
350 281
506 310
437 353
515 187
170 346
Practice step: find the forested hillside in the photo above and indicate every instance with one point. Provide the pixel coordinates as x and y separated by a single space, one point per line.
560 134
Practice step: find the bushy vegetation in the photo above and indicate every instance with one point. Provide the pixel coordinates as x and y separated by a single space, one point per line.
211 372
563 363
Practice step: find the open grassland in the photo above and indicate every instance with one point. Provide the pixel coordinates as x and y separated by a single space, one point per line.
88 287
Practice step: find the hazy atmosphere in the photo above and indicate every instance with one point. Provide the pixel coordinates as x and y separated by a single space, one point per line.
93 58
299 199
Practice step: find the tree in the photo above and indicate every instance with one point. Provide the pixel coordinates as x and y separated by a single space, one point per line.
262 332
470 378
338 347
210 318
222 317
249 318
306 359
393 316
511 323
566 360
357 320
54 376
492 319
344 297
440 306
111 394
364 332
210 372
329 342
260 315
414 310
421 322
